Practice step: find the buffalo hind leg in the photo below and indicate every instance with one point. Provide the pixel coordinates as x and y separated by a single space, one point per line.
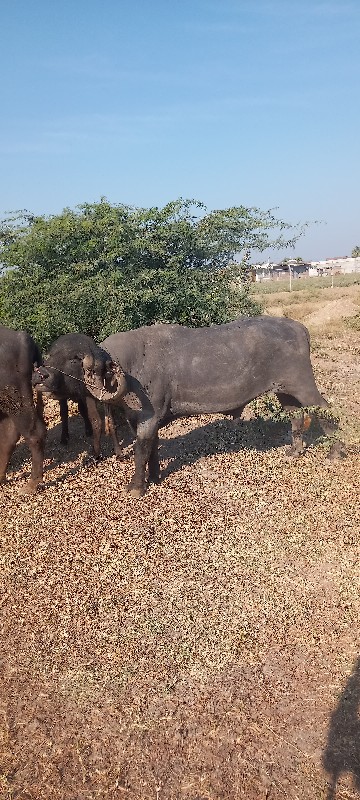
8 438
338 447
302 422
299 423
35 439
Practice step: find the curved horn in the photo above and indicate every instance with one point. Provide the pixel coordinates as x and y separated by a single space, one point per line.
95 386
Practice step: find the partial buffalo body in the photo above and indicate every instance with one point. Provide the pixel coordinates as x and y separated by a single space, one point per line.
174 371
62 378
19 416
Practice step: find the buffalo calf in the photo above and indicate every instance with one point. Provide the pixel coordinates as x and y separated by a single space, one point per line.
61 376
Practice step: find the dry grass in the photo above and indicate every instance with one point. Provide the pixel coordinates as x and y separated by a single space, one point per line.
200 643
316 287
313 305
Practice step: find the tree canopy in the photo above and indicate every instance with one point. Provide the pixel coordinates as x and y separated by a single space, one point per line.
356 252
103 267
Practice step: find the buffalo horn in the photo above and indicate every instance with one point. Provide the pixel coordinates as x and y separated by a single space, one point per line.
94 386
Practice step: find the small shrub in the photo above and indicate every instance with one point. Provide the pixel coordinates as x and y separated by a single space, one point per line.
353 322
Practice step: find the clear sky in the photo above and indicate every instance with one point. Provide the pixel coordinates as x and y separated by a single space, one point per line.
232 102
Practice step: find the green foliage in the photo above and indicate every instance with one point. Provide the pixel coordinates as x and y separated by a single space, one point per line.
103 267
188 297
268 407
355 252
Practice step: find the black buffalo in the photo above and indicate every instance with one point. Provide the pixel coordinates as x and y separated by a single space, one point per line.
62 377
173 371
19 415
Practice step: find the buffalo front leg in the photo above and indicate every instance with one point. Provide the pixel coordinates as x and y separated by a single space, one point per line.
95 421
8 438
146 437
110 428
64 416
84 413
154 464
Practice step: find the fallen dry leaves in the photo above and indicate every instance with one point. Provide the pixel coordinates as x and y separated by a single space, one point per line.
199 643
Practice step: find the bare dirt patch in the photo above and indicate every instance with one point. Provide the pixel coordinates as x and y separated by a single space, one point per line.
201 643
333 310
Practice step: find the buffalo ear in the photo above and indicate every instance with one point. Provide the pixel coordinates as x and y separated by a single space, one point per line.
87 361
110 365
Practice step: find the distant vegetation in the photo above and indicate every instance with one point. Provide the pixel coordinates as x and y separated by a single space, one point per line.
102 267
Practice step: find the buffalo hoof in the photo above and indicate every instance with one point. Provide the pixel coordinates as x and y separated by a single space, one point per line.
135 491
91 460
294 452
337 451
31 487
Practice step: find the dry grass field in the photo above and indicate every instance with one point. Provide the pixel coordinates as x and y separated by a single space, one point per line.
203 642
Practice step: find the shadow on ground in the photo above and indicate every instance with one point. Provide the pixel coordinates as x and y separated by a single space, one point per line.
342 753
218 436
78 450
221 436
227 436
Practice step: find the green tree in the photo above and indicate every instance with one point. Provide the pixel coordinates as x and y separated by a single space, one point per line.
104 267
355 253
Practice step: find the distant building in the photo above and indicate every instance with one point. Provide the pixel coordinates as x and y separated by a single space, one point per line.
335 266
276 271
330 266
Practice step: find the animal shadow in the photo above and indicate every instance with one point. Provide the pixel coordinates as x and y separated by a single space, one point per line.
342 753
222 436
78 449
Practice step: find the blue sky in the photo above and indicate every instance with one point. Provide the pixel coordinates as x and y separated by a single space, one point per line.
231 102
